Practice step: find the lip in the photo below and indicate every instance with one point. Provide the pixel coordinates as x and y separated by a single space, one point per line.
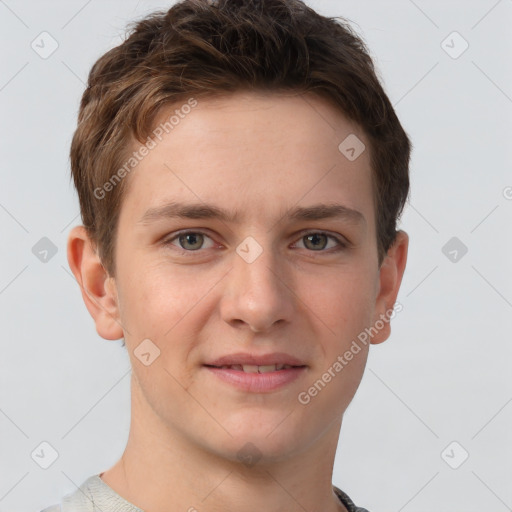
258 360
258 382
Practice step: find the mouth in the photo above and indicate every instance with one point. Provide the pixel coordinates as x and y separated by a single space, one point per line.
257 374
252 368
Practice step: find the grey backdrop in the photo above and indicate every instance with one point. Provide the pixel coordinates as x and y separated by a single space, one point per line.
438 391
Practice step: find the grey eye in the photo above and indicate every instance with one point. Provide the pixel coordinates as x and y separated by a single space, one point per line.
191 241
315 241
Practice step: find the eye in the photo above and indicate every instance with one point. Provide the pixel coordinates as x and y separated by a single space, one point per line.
193 241
189 240
317 241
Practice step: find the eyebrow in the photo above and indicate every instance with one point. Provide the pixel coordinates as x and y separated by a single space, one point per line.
208 211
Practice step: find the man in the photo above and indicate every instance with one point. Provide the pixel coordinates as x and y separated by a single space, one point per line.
240 172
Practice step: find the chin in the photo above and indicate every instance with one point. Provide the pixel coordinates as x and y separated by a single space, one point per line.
265 438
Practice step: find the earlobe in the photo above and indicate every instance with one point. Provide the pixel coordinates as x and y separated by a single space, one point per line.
98 288
390 279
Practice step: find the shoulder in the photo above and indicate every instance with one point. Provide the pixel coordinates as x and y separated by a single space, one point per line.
94 495
80 500
349 504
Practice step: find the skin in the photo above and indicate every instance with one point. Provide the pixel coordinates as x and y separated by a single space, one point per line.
262 155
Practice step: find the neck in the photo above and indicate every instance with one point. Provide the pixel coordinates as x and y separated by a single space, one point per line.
161 470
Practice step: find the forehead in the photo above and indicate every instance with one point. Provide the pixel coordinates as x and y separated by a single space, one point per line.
254 153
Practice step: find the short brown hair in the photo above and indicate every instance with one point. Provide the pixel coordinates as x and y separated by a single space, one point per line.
203 48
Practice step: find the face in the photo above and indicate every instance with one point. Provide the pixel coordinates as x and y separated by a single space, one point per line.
247 239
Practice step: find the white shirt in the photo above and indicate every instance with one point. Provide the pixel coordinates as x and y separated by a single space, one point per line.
94 495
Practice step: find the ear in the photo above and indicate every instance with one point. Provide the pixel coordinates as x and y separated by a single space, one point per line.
98 288
390 278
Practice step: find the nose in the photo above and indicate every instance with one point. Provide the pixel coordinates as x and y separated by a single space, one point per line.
257 294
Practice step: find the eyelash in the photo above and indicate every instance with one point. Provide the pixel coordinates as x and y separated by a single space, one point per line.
341 244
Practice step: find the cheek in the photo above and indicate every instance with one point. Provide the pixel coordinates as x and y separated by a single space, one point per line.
160 308
344 302
155 300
